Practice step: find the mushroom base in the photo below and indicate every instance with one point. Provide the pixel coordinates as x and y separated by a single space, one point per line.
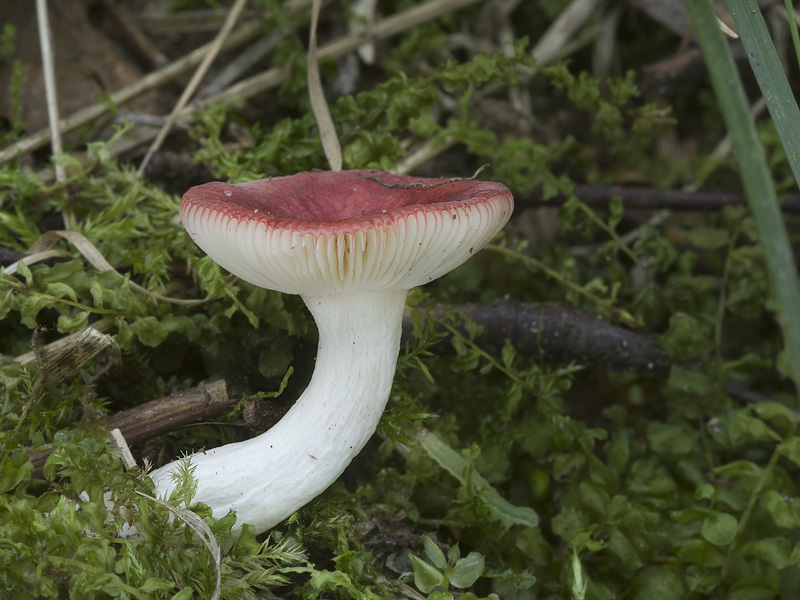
267 478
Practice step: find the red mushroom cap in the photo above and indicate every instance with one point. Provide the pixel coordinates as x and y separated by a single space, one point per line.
323 232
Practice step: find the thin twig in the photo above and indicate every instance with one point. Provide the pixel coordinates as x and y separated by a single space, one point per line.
644 198
227 27
242 63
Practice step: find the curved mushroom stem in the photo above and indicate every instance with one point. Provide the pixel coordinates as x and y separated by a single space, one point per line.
266 478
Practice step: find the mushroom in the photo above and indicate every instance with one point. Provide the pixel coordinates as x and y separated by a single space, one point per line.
351 243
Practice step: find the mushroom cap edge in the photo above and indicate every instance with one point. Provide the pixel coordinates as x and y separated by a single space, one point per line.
319 233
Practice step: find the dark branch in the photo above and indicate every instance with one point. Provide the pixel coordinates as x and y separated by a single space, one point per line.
559 334
653 199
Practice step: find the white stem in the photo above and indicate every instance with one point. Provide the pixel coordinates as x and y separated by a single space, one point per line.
266 478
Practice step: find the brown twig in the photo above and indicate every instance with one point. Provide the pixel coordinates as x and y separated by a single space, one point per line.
160 416
560 334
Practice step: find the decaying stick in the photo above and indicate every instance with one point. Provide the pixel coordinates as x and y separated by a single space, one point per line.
160 416
169 413
558 334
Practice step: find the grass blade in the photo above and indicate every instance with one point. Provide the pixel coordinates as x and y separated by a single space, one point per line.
771 78
756 177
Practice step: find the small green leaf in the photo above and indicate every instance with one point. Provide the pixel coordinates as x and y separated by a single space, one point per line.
499 508
719 529
708 238
434 553
790 448
739 469
150 331
702 580
153 584
657 583
777 551
14 471
60 289
426 577
784 512
25 271
705 491
467 570
508 354
752 588
579 584
29 310
668 439
186 593
67 324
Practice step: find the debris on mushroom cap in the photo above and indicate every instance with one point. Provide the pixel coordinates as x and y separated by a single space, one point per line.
325 232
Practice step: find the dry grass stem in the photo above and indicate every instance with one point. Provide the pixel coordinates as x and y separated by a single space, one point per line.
242 63
149 82
423 154
563 28
41 250
275 76
216 46
65 343
51 92
244 89
319 105
203 531
119 441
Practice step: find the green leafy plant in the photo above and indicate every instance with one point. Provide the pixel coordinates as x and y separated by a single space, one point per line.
436 576
564 480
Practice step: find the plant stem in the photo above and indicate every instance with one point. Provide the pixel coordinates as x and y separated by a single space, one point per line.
618 313
748 510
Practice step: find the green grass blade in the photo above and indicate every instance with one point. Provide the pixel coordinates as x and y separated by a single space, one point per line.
771 79
455 464
793 29
756 177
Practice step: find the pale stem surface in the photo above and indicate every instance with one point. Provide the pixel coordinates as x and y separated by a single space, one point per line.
267 478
